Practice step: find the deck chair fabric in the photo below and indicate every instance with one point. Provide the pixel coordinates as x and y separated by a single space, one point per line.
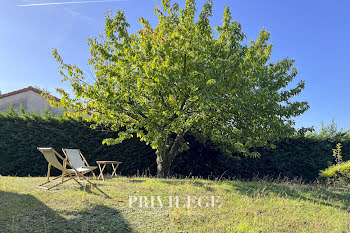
77 159
52 158
74 157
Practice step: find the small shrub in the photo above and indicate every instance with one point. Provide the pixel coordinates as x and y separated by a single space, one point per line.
339 173
337 154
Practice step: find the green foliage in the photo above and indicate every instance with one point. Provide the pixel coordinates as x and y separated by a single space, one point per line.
178 79
338 173
22 134
330 131
11 111
293 157
337 154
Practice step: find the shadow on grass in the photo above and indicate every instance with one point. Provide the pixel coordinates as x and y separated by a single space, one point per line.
25 213
89 188
322 195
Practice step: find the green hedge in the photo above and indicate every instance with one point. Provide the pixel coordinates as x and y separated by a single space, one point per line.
21 135
293 157
296 157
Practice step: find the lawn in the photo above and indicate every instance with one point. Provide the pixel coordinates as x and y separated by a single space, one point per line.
239 206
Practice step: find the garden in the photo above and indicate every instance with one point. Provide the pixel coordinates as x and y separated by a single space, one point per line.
203 123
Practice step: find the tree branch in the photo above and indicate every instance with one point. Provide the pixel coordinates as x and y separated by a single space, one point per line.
177 144
184 71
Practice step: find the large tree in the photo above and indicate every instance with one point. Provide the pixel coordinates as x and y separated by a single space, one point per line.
176 78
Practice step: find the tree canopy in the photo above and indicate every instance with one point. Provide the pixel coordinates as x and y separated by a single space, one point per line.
176 78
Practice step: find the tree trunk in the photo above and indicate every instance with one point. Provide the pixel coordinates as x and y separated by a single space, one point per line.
165 157
164 162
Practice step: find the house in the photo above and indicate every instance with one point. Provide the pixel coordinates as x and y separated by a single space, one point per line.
31 100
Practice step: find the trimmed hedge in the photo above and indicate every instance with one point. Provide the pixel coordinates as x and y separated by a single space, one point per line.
21 135
293 157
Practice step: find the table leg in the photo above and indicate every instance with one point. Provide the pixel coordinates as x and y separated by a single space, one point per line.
101 171
99 166
114 169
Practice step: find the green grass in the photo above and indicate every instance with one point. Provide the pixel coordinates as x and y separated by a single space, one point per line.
245 207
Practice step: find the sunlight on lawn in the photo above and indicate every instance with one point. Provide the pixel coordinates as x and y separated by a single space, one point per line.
245 206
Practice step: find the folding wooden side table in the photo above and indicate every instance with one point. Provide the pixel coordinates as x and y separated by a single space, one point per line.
114 164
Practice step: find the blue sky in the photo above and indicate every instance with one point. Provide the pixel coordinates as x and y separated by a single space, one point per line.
315 33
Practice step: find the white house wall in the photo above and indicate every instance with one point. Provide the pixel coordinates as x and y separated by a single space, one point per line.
30 100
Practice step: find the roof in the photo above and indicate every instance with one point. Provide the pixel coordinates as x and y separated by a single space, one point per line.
30 88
